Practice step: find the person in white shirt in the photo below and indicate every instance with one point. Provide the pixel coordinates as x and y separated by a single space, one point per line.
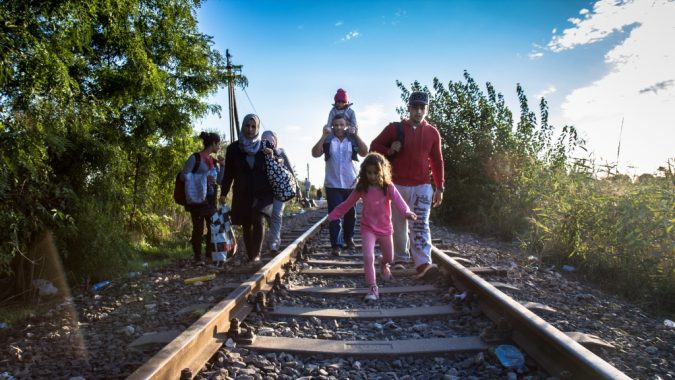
341 155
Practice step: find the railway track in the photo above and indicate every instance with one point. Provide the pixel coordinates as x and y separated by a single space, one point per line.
305 306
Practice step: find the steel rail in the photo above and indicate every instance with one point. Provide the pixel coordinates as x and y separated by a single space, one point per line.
558 354
195 346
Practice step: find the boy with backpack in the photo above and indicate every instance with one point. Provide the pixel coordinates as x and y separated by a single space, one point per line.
414 148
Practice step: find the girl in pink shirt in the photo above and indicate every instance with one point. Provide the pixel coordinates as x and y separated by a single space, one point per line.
374 186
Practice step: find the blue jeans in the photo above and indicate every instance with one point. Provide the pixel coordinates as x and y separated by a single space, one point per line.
334 197
275 224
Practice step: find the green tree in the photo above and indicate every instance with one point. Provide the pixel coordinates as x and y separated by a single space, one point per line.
97 101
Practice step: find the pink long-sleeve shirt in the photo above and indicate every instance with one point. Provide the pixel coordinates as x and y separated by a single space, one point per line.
376 211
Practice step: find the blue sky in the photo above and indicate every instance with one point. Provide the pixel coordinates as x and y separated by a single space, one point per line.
596 63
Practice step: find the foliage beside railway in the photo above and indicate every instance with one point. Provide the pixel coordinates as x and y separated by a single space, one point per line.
97 103
520 179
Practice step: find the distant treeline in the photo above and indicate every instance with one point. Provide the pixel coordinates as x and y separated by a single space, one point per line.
522 179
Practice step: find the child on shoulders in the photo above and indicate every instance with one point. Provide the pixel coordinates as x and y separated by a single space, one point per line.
342 107
375 188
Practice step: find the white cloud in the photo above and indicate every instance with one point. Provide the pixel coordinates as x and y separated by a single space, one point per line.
535 54
548 90
339 23
351 35
639 86
372 115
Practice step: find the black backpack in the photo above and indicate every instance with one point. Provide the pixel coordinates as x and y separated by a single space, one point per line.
179 184
399 137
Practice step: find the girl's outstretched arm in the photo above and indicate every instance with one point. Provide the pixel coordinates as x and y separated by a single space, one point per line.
399 203
343 207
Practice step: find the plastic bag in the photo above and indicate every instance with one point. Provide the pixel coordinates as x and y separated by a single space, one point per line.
510 356
222 236
195 188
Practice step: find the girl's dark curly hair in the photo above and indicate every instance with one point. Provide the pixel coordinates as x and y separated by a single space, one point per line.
383 170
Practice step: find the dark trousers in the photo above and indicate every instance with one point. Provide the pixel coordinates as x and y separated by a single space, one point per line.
198 220
334 197
200 215
253 234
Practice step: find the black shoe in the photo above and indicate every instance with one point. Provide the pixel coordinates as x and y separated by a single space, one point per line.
350 244
427 272
335 251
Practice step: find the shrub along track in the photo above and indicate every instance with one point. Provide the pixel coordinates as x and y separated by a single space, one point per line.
302 314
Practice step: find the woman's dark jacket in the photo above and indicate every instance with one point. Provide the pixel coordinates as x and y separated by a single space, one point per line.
251 190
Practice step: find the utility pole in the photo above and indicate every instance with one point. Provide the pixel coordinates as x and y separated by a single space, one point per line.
233 72
618 149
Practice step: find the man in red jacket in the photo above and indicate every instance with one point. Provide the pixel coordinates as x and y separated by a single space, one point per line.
414 146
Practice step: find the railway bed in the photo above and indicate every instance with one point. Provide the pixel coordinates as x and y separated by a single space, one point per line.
297 316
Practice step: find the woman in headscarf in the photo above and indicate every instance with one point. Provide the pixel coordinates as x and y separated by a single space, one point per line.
271 146
251 193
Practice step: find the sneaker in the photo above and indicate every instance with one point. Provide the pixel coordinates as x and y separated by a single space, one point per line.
350 244
427 272
373 294
335 251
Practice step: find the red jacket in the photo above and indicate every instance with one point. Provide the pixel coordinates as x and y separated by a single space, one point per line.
421 150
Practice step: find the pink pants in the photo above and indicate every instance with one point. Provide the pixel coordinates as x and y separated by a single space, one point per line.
368 248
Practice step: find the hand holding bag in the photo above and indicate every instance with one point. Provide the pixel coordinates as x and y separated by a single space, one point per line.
280 178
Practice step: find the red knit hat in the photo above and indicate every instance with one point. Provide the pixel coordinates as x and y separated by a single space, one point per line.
341 96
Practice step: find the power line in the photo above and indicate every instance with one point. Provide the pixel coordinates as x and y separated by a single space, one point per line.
252 106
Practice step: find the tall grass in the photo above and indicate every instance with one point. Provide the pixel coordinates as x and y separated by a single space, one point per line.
619 232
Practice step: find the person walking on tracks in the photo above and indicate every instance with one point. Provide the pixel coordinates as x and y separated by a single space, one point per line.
340 176
251 193
414 146
271 146
375 188
203 164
